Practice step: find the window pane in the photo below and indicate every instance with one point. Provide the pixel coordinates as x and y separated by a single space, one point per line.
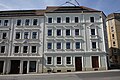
16 50
32 67
58 20
0 22
2 49
18 22
5 22
59 45
91 19
68 45
92 31
33 49
35 21
58 32
67 32
67 20
27 21
25 49
93 44
49 60
76 19
17 35
34 35
50 32
25 35
49 20
4 35
49 45
58 60
77 45
68 60
76 31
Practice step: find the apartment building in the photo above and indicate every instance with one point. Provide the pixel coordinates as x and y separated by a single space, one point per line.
21 41
113 30
74 39
57 39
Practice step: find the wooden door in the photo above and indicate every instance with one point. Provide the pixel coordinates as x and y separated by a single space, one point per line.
95 62
78 63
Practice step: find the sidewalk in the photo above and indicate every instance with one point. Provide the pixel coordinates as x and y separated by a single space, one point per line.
80 72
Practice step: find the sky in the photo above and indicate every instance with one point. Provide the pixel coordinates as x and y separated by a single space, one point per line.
107 6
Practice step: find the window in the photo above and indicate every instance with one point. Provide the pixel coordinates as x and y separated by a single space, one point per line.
49 45
34 35
32 66
95 63
25 49
2 49
58 32
76 32
25 35
67 20
91 19
58 19
92 31
67 32
33 49
49 20
16 49
35 21
0 22
114 43
59 60
67 45
19 22
77 45
4 36
113 36
76 20
93 45
17 35
49 32
68 60
49 60
112 29
27 22
115 50
5 22
58 45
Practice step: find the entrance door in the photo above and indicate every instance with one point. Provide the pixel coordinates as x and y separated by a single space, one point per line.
15 66
78 63
1 66
24 67
95 62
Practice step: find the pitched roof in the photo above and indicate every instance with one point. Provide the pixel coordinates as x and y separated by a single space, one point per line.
22 13
69 9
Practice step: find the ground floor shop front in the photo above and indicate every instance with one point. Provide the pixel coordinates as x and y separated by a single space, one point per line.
20 65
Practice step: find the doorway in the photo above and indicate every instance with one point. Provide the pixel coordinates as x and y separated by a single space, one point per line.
1 66
24 67
15 66
78 63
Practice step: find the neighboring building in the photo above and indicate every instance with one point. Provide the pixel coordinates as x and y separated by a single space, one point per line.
74 39
113 30
58 39
23 31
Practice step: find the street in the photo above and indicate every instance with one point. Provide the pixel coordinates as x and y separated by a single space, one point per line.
99 75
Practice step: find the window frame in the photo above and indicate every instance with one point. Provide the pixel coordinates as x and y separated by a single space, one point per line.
59 61
94 45
70 60
58 20
67 21
58 33
27 24
69 45
50 21
1 49
18 49
51 45
36 36
92 19
35 49
26 50
57 46
6 24
20 22
69 32
36 22
19 35
77 19
78 32
48 34
50 61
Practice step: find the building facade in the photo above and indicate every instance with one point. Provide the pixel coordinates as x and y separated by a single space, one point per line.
113 30
21 41
57 39
74 39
